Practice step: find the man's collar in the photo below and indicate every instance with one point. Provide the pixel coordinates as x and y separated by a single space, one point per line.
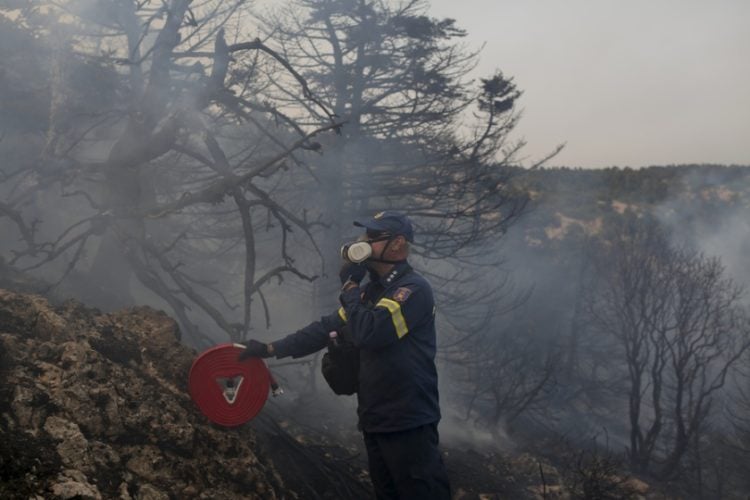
397 271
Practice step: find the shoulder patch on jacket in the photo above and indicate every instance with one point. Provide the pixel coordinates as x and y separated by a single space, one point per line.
401 294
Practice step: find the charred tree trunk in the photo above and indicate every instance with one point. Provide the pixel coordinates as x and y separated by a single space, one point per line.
139 143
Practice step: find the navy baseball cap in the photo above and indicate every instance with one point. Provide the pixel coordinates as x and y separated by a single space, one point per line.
388 222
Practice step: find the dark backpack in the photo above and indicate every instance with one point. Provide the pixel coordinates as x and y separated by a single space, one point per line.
340 366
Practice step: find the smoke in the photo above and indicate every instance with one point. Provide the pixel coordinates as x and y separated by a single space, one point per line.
549 253
512 304
457 431
710 214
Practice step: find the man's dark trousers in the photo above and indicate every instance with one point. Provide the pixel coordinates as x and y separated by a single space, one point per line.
407 465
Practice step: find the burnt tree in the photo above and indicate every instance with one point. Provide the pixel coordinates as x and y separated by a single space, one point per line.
680 327
172 174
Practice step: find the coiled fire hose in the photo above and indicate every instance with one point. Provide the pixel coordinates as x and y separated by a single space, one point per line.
230 392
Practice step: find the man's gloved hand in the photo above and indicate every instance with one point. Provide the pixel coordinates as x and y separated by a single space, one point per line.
352 272
254 349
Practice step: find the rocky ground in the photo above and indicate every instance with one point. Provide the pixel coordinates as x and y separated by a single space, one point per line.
95 405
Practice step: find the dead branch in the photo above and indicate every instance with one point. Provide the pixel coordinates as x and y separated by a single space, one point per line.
27 232
221 188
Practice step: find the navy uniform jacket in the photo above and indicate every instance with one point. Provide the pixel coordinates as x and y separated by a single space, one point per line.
392 321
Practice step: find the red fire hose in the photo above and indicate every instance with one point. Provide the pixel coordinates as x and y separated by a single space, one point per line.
227 391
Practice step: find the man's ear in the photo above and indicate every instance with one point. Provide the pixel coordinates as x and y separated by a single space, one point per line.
398 243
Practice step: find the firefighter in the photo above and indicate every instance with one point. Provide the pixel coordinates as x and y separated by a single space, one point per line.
391 321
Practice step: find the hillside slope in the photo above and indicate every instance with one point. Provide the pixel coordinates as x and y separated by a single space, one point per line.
95 406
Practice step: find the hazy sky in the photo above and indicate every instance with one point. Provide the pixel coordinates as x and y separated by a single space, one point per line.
626 83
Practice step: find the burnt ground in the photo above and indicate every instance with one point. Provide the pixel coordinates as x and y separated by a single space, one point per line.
321 455
95 405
